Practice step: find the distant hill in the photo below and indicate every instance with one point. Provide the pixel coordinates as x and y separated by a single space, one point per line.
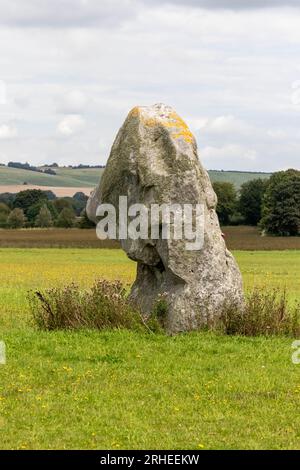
236 177
65 177
85 178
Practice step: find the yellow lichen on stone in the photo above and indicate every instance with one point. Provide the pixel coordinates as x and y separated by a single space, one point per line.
186 135
135 111
177 127
182 129
150 121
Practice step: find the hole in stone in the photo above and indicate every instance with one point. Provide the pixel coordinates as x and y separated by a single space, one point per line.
160 266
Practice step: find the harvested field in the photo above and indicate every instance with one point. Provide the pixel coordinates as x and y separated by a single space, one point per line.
56 238
237 238
248 238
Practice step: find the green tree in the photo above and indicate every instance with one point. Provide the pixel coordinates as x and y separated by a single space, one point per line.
79 202
66 218
3 220
4 209
227 201
16 218
63 203
25 199
4 212
85 222
281 204
34 210
250 202
44 219
8 199
81 197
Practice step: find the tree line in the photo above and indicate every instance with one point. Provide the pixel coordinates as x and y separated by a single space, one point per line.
271 204
37 208
27 166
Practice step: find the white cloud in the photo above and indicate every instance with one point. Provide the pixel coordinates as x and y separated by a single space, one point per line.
233 4
65 13
277 134
71 124
234 155
7 131
21 99
72 102
3 92
222 125
108 13
69 62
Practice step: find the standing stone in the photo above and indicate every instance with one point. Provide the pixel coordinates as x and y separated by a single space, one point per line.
153 161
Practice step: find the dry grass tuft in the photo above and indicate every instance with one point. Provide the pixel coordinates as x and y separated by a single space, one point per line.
266 312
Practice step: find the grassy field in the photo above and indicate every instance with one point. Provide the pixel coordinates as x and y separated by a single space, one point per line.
236 177
68 177
64 177
123 390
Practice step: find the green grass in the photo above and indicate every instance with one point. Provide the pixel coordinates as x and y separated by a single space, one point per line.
67 177
124 390
236 177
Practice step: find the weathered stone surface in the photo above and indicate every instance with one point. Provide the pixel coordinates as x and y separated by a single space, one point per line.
154 160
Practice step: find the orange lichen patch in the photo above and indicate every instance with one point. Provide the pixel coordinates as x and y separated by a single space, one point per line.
182 129
135 111
178 128
185 134
150 121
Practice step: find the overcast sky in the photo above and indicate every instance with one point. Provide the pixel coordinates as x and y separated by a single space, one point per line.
70 71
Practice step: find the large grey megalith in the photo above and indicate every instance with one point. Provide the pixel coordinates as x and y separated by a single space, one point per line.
154 160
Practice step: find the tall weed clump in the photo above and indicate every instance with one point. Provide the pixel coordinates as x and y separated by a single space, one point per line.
103 306
266 312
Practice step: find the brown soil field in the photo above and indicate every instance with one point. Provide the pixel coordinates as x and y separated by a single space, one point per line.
58 191
248 238
237 238
58 238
